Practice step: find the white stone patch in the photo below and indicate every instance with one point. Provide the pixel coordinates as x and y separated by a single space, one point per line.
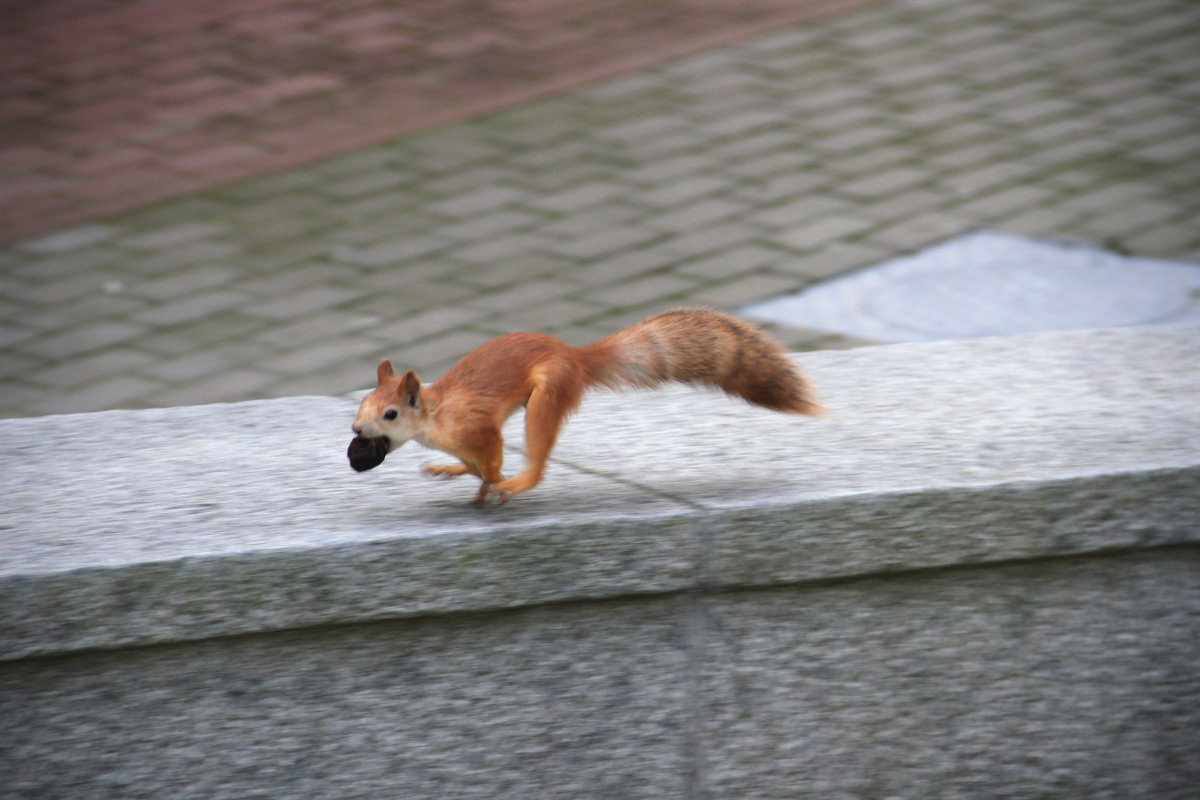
989 284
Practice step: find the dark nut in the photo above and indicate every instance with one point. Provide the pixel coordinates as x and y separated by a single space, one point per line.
365 454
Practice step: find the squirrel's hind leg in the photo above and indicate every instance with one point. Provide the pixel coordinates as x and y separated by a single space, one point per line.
490 458
544 414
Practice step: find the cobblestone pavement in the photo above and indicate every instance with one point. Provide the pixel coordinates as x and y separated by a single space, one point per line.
105 106
722 178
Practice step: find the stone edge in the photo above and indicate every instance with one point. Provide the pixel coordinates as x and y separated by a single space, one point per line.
820 539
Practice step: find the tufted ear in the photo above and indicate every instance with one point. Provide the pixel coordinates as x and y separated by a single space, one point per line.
385 370
412 389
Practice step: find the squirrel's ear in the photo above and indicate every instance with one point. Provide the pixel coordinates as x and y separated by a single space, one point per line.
385 370
412 388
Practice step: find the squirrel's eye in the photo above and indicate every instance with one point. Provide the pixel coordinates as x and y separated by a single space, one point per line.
389 414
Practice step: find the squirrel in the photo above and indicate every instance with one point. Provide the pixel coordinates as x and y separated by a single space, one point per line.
462 412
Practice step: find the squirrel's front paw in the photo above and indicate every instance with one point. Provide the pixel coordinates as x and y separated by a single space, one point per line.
447 471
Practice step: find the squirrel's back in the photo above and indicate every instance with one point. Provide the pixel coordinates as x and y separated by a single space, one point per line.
701 346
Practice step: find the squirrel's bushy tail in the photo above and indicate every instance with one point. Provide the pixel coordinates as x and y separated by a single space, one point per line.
699 345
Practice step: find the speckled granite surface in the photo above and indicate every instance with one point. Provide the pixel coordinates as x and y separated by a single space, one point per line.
978 573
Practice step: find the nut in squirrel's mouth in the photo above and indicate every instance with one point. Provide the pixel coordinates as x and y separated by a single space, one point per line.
365 454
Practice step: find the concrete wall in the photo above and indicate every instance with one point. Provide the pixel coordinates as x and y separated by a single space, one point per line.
978 577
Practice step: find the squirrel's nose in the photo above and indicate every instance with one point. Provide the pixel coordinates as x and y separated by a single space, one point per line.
357 429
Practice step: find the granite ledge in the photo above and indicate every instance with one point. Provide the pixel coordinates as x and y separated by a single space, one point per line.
140 527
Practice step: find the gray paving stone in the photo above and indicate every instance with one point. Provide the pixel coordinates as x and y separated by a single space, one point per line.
910 235
478 200
988 177
1041 222
1133 219
697 215
367 183
288 307
578 197
654 288
21 400
212 389
64 290
799 211
591 220
731 262
270 282
218 329
182 233
627 265
105 394
92 368
200 277
184 257
351 376
328 353
600 244
832 145
741 124
100 305
393 252
997 205
14 365
192 366
699 242
500 248
543 317
191 307
858 140
770 164
659 171
831 261
422 325
436 354
884 183
876 159
517 269
818 233
1168 240
319 326
83 339
731 295
490 225
775 189
401 277
1174 150
65 263
524 295
69 239
681 191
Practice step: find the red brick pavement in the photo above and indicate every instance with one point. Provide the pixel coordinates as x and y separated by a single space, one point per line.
106 105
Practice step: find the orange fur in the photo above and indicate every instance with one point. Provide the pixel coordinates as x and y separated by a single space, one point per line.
462 412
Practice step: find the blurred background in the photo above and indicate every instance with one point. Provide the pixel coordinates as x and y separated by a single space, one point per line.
237 199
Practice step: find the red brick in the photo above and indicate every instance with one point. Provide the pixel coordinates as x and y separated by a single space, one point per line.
220 156
203 108
19 187
107 161
23 157
270 24
377 42
16 108
466 43
192 87
293 87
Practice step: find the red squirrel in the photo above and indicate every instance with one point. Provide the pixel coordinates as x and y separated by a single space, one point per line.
462 412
